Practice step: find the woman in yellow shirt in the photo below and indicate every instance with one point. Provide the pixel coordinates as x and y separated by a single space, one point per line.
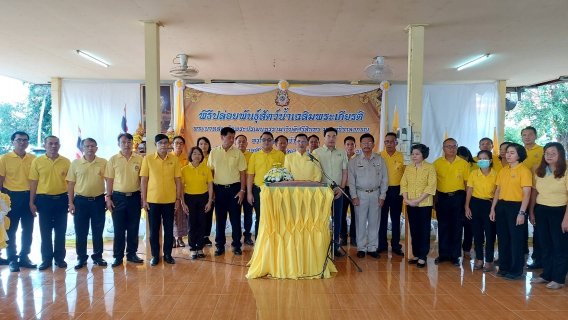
180 219
205 146
480 192
197 200
417 187
510 202
549 213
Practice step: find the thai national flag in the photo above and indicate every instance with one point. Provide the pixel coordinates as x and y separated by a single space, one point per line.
79 152
123 124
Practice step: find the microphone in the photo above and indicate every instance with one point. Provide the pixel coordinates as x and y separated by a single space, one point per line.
312 157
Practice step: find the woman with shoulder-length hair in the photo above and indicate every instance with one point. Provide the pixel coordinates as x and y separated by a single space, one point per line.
549 212
418 187
508 208
205 146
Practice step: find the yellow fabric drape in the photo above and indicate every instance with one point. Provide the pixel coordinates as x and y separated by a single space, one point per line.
294 235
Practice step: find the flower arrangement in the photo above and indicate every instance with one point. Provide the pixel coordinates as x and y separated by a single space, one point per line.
278 173
4 220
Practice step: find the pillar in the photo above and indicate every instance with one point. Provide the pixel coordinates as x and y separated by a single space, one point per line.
502 87
152 73
55 107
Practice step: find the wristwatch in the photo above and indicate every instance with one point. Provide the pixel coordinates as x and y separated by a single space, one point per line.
522 213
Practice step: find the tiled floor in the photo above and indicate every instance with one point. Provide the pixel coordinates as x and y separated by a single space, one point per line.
216 288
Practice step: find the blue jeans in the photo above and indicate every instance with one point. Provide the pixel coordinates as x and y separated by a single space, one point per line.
337 209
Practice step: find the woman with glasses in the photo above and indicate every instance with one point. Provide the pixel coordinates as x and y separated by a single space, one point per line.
549 211
180 220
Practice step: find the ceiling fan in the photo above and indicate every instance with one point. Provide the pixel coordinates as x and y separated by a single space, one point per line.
183 71
378 70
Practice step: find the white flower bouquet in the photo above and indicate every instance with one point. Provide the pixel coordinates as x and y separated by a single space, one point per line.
278 173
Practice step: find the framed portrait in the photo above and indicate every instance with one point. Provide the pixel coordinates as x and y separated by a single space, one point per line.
166 100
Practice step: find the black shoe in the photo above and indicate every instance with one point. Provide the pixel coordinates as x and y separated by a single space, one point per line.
398 252
382 250
14 267
169 260
154 261
207 242
61 263
80 264
441 260
201 255
534 266
455 262
45 265
374 254
249 241
511 277
101 262
360 254
337 254
238 251
343 241
134 258
502 274
117 262
420 265
4 262
413 261
219 252
193 256
496 262
25 262
353 242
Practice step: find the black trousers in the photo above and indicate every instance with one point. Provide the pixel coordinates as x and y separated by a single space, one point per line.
554 243
537 245
247 215
352 229
158 215
393 204
419 221
196 220
256 205
209 221
227 203
511 237
483 229
20 214
89 210
449 211
126 221
467 234
52 212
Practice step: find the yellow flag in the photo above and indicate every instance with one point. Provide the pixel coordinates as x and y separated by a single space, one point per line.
495 142
395 120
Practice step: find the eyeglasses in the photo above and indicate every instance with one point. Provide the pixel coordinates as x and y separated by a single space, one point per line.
367 143
266 139
550 154
302 141
451 147
22 140
163 143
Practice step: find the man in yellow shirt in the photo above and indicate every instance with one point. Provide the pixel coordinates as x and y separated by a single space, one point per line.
242 143
14 172
259 164
160 183
228 166
393 202
349 144
534 157
487 144
299 164
452 173
86 192
123 199
281 143
48 197
313 143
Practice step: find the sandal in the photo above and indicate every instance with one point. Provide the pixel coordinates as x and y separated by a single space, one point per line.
175 243
180 243
192 255
478 266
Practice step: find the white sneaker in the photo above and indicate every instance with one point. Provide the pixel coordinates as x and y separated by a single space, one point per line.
539 280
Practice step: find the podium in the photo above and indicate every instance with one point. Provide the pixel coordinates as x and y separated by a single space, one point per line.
294 236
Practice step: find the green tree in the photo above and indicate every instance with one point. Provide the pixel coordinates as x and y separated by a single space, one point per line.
25 116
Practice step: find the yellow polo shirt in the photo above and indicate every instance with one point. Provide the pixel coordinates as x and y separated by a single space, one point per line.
261 162
183 159
16 171
534 156
125 173
301 167
451 176
395 167
512 181
227 165
161 174
88 176
50 174
552 192
483 186
247 155
196 179
497 165
415 181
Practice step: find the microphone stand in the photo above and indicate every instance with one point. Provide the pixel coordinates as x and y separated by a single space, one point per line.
333 186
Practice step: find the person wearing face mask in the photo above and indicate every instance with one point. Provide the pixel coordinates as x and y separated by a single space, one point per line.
480 192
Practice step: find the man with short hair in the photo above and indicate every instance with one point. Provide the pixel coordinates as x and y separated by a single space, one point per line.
123 199
394 161
86 192
228 166
349 145
14 172
334 163
48 197
259 164
242 143
369 183
487 144
160 183
313 143
281 143
452 173
299 164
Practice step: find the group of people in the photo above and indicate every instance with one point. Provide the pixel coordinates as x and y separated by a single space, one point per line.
476 199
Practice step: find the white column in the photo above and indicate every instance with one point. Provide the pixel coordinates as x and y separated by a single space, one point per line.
152 68
55 106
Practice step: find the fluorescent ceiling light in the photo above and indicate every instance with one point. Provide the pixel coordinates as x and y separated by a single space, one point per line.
95 60
471 63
